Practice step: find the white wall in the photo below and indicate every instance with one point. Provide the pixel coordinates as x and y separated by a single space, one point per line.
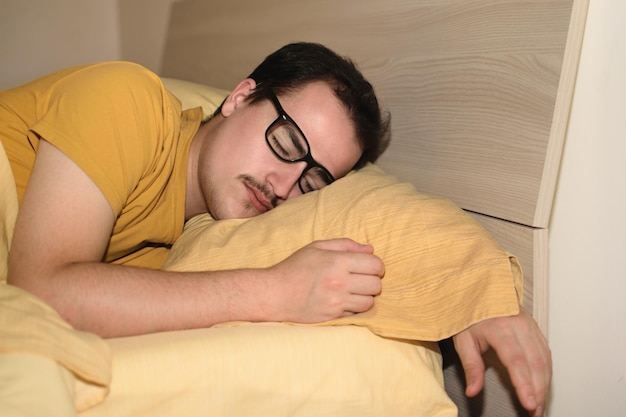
40 36
143 29
587 306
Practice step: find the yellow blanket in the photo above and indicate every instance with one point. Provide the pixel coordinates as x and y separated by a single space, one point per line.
71 369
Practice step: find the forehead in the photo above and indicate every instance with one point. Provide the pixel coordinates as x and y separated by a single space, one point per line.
326 124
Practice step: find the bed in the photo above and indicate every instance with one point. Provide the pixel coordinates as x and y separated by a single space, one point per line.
479 93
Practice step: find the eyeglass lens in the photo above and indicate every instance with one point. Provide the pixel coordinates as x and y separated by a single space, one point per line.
288 144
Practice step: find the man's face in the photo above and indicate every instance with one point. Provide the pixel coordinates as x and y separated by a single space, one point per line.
239 174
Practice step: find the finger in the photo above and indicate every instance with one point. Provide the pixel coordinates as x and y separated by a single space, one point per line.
516 360
526 356
344 245
363 261
367 264
364 284
545 371
473 365
539 364
359 304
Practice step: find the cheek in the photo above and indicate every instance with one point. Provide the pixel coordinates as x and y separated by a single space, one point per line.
224 154
244 146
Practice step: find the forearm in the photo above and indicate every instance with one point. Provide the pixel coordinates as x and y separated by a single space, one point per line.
113 300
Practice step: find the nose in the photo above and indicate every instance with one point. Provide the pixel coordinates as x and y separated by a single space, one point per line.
284 179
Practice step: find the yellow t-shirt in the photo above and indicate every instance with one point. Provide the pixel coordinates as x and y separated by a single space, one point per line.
119 124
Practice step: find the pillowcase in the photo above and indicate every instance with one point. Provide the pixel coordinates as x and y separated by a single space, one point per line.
193 95
443 271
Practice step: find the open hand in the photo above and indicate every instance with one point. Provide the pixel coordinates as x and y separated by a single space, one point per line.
522 349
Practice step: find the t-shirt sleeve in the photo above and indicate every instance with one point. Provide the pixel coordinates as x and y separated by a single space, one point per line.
110 119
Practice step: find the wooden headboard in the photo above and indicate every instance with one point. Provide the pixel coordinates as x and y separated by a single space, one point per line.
479 92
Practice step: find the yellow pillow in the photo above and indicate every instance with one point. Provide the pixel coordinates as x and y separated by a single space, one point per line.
193 95
273 369
444 272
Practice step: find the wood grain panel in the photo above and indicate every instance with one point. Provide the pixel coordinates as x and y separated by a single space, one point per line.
463 127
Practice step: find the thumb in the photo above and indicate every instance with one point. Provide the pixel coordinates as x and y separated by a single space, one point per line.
473 364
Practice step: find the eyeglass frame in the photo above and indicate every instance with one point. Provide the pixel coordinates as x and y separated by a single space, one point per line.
308 157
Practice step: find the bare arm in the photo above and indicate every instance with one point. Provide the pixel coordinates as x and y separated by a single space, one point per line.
61 235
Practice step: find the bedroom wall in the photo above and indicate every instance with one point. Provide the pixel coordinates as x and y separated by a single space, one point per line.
587 313
143 29
40 36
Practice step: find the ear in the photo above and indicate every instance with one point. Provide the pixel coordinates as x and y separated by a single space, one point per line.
239 94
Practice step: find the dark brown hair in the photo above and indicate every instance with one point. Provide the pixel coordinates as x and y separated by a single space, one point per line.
297 64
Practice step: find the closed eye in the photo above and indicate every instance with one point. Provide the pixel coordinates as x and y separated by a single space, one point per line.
277 144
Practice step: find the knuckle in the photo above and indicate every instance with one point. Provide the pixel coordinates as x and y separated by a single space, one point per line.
334 305
334 284
538 364
518 362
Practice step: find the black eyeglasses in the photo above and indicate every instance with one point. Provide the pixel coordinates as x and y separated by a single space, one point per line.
289 144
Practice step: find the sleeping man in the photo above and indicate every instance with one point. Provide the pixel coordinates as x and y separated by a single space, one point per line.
108 169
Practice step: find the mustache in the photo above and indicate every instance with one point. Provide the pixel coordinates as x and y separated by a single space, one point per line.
263 188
